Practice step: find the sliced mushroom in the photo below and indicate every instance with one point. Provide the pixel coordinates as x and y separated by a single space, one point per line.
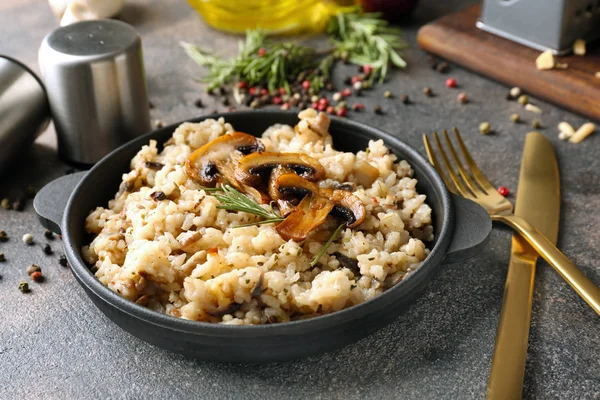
291 185
252 166
365 174
228 173
347 206
221 311
309 215
203 164
347 262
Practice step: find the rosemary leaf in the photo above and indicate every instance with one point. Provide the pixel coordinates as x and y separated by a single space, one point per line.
233 200
333 236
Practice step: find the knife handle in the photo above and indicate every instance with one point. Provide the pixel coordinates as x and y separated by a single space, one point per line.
510 350
561 264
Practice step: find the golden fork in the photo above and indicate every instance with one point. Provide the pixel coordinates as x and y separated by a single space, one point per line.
474 186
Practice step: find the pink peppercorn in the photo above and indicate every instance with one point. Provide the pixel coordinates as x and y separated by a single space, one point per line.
462 97
323 100
262 51
277 100
242 84
355 79
252 91
282 91
341 112
330 110
314 105
367 69
503 190
346 92
264 92
321 107
451 82
306 85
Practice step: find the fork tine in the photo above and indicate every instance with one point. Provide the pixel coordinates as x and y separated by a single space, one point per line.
461 170
459 185
433 160
477 174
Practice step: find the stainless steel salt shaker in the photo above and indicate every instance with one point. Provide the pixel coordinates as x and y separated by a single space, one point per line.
94 77
24 110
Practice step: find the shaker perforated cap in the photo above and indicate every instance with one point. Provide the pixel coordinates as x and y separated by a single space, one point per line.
94 76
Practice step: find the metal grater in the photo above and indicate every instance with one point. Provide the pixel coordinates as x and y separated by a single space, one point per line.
542 24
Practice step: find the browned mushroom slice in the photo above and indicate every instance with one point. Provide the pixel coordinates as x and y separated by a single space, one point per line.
221 311
309 215
365 174
202 166
290 186
253 166
228 169
346 206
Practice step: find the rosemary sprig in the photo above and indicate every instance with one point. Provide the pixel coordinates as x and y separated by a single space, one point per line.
233 200
333 236
215 189
367 39
362 39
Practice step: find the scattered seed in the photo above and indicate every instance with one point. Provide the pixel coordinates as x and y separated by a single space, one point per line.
451 82
515 118
443 67
515 92
255 104
24 287
285 106
545 60
48 249
27 238
198 103
341 112
3 236
37 276
532 108
377 109
348 80
536 124
431 60
462 98
329 87
503 190
387 94
404 99
485 128
365 85
19 204
48 234
62 260
2 257
158 124
33 268
428 92
337 96
523 99
5 203
357 107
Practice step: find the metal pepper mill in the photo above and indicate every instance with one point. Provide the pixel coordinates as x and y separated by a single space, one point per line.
94 77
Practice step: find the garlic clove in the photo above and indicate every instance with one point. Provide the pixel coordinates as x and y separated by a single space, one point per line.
58 7
84 10
579 47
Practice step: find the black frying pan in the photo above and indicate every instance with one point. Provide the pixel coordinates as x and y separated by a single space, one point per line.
461 230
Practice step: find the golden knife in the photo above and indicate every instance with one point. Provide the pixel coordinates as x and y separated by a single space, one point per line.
538 200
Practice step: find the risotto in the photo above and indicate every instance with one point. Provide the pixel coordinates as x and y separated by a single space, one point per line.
167 242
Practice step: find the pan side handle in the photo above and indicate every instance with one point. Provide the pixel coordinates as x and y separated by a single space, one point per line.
472 230
50 202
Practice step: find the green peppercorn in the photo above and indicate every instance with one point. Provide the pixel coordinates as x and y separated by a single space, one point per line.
24 287
515 118
523 99
387 94
536 124
485 128
255 104
5 203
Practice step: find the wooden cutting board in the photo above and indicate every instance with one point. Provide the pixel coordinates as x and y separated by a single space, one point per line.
456 38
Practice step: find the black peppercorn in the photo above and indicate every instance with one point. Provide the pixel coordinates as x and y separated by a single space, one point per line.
377 109
48 234
443 67
3 236
48 249
404 99
198 103
19 204
150 105
428 92
62 260
2 257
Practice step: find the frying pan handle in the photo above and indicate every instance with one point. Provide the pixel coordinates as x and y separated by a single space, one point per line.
51 201
472 228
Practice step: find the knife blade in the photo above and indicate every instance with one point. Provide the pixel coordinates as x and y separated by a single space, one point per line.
538 200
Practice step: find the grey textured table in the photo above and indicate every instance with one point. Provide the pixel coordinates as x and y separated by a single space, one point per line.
55 344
